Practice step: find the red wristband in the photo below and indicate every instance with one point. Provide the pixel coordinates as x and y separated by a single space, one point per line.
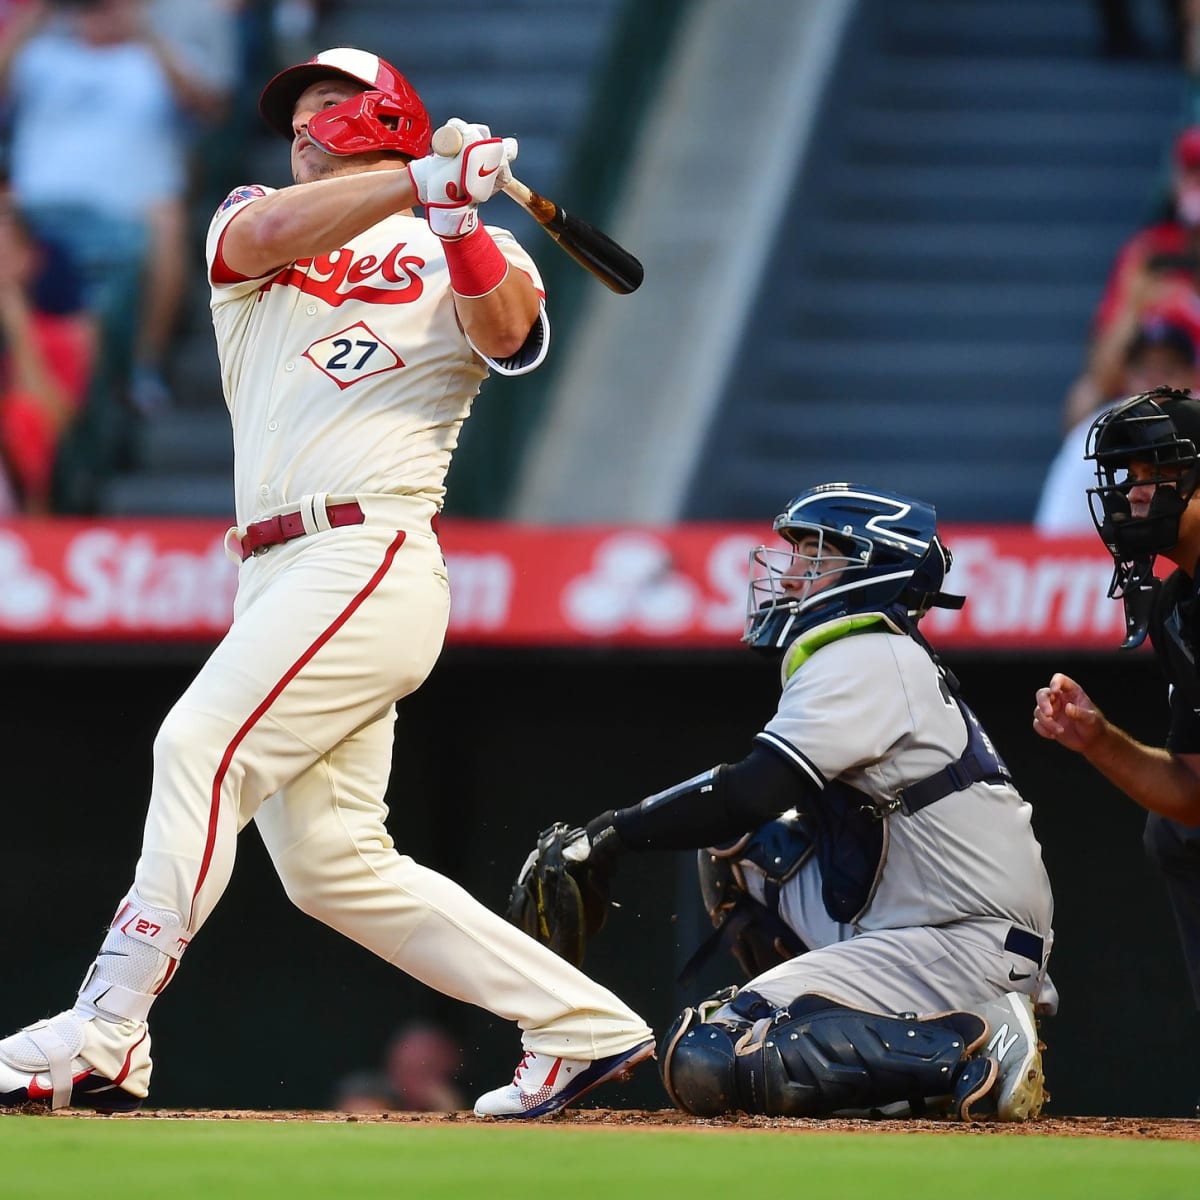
475 263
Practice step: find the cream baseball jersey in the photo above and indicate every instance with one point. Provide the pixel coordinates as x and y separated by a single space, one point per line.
348 373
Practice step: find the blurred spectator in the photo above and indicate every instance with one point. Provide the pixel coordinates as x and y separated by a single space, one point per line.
421 1064
1155 275
49 348
1122 37
98 154
294 27
1158 353
362 1092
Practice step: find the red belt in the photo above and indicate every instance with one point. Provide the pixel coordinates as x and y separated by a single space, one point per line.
262 535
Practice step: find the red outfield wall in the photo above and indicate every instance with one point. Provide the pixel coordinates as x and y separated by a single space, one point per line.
682 586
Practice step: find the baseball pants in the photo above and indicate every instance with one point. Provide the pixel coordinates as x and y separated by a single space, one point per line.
290 723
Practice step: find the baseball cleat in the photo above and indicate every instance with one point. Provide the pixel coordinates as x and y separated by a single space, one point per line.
74 1061
544 1084
1020 1088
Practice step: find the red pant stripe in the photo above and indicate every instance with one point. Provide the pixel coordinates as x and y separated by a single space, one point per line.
272 696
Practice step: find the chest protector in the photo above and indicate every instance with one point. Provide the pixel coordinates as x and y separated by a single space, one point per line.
849 828
1172 633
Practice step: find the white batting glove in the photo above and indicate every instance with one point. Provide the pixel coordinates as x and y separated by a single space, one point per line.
451 187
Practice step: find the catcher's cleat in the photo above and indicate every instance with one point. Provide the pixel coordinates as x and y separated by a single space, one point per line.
543 1084
1020 1088
72 1060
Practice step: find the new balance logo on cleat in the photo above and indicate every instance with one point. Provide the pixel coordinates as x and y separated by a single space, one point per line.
1002 1043
1019 1091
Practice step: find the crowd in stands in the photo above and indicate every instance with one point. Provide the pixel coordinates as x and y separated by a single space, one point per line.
1146 326
118 120
420 1071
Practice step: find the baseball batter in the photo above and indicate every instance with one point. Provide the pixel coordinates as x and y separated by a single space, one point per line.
353 337
906 866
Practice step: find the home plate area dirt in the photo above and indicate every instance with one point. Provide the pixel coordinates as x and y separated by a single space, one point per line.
1175 1130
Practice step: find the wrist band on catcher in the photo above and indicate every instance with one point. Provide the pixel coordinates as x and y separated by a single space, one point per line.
475 263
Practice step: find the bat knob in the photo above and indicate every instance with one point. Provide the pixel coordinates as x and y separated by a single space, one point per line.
446 141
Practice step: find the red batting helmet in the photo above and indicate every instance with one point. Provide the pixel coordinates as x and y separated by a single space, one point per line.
389 116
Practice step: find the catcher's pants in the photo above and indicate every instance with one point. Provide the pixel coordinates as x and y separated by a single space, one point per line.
921 969
290 723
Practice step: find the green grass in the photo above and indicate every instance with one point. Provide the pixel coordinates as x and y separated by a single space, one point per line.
228 1160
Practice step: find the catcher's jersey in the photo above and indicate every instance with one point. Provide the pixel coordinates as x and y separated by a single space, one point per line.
348 373
872 710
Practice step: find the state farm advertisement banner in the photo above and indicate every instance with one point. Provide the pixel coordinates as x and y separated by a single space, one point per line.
683 586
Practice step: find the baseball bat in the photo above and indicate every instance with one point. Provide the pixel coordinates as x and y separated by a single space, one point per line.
592 249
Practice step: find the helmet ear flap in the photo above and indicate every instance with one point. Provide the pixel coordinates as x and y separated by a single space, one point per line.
924 590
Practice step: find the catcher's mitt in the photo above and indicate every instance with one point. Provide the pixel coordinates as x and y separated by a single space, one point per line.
560 899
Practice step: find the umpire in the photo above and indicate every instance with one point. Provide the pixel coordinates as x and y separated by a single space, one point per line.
1145 503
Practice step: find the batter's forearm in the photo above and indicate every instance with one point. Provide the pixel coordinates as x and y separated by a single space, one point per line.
499 322
315 218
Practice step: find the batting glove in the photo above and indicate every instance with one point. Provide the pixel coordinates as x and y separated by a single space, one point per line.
450 188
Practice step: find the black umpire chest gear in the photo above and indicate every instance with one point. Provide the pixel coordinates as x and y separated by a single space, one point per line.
1173 634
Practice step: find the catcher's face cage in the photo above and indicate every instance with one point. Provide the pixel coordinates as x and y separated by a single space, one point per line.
872 551
1140 431
785 583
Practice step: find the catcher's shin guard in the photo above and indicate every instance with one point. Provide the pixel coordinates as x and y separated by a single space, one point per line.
828 1059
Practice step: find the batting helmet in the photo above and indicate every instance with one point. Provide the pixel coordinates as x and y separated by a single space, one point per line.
878 551
388 116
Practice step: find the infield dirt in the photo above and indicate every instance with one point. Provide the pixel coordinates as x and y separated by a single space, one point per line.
1160 1128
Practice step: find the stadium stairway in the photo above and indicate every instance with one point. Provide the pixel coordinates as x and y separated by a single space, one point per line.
928 296
525 68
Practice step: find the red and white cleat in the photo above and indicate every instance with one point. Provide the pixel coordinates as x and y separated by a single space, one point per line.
75 1061
544 1084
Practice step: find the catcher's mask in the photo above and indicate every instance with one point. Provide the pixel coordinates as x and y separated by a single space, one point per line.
1160 431
850 551
388 116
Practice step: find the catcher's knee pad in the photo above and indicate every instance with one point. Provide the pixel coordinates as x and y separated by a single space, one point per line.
698 1064
827 1059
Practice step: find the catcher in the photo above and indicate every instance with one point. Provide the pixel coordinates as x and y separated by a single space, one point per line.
871 864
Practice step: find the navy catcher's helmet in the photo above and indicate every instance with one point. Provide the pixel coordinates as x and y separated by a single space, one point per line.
875 552
1161 430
